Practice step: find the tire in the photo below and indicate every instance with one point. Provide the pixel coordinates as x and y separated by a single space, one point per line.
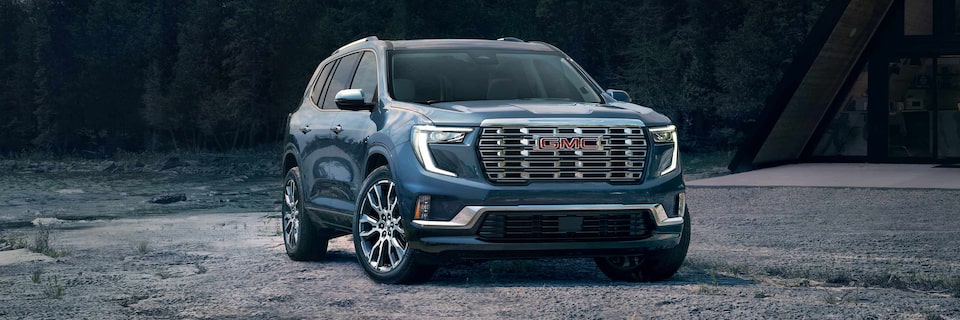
300 237
379 233
655 266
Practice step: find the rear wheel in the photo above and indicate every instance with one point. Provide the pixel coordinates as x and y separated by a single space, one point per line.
655 266
300 237
379 235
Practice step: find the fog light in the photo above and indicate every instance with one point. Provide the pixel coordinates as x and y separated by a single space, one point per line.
681 204
423 208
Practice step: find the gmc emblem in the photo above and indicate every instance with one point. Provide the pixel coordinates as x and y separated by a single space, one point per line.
569 143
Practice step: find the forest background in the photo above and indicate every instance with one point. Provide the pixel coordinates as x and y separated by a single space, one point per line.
94 77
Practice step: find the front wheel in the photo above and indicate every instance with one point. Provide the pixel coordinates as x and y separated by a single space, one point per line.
655 266
379 235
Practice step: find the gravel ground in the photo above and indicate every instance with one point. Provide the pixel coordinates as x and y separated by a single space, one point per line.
757 253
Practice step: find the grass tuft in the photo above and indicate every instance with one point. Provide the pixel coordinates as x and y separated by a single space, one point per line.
35 276
143 247
53 289
42 243
709 290
934 316
831 299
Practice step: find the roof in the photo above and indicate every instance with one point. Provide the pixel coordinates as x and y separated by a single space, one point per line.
440 44
511 44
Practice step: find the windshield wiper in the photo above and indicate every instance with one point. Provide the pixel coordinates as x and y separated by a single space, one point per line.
436 101
548 99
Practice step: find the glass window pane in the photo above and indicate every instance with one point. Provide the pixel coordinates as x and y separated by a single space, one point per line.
956 16
910 120
321 83
341 79
918 17
846 134
366 78
948 107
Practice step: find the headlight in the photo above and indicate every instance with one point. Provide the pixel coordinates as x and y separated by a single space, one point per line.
423 136
667 135
664 135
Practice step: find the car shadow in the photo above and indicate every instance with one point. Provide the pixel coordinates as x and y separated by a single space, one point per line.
560 273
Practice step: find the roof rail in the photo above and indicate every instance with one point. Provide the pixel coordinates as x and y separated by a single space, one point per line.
548 46
511 39
367 39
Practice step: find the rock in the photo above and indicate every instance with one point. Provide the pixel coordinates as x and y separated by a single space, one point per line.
108 166
169 198
37 167
170 163
46 221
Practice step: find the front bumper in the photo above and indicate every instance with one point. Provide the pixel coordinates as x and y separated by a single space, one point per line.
460 204
458 238
468 217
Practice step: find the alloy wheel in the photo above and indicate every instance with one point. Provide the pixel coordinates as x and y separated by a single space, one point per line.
291 213
381 235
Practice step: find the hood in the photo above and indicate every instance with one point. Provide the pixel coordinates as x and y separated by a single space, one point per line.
471 113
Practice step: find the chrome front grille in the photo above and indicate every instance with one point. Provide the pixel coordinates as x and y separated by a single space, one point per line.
513 154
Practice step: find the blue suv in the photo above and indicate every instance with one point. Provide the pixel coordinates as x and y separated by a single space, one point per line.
431 150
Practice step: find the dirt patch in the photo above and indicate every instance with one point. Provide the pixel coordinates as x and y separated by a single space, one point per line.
21 256
72 196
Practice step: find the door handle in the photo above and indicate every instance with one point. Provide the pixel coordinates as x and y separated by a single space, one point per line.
305 129
337 129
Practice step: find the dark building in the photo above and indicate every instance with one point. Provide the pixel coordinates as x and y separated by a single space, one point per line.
876 81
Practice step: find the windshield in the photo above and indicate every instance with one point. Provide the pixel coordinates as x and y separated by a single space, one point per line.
429 77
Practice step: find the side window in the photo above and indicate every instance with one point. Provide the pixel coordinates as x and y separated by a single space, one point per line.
366 78
341 79
317 91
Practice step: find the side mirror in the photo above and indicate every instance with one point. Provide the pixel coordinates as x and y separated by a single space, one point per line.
351 99
620 95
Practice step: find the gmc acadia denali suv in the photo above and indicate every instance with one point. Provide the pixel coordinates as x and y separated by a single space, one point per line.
432 150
